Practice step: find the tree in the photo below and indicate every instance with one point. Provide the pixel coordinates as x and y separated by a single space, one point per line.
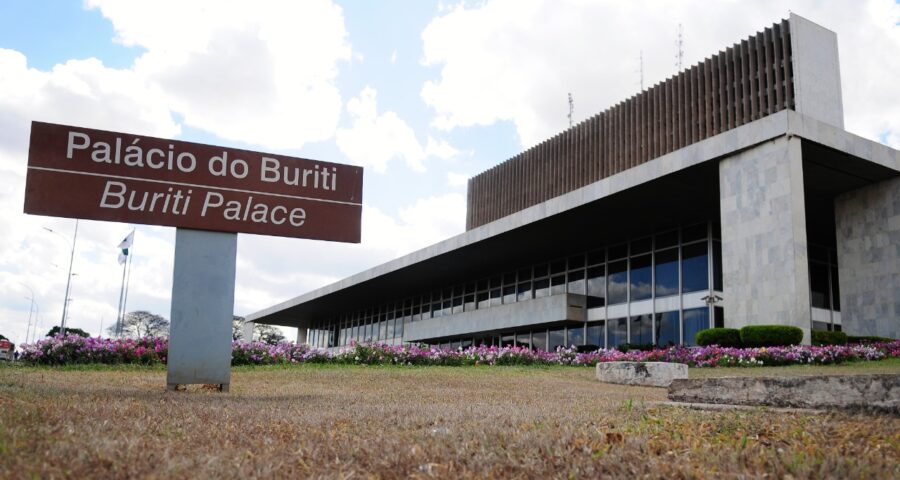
263 333
142 324
69 331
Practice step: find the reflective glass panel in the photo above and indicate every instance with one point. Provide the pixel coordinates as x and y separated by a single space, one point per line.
667 272
596 286
717 265
641 246
558 284
595 334
507 340
818 285
617 333
576 282
694 267
667 329
617 252
641 330
695 319
539 340
469 302
618 282
496 299
509 294
835 290
557 339
524 339
542 288
523 292
596 257
575 336
482 300
667 239
694 232
641 278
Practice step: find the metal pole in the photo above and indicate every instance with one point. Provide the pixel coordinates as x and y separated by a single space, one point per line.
62 326
120 317
37 311
30 311
127 284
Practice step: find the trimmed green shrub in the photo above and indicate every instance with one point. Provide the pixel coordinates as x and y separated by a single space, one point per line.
770 335
865 339
641 347
823 337
723 337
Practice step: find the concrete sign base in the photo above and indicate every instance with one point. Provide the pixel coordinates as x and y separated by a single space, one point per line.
202 309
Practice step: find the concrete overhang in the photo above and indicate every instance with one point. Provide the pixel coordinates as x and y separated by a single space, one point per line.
665 191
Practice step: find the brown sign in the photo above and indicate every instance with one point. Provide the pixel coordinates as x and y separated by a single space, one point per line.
83 173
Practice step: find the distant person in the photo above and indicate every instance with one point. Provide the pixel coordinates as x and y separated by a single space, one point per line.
16 356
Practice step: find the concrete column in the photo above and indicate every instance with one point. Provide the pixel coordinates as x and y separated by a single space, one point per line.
764 251
817 71
248 331
202 308
301 335
868 244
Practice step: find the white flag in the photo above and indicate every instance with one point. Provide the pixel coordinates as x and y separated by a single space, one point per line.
124 245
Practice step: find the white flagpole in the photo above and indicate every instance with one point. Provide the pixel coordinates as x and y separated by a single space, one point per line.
121 297
127 283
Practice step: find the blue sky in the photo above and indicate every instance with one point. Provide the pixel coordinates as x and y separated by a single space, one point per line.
422 94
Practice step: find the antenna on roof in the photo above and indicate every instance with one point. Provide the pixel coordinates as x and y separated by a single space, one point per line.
641 66
571 109
679 48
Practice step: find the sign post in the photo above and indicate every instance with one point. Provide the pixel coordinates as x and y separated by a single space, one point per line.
210 194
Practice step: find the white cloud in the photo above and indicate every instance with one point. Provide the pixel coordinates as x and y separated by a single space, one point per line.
374 139
457 179
262 73
516 60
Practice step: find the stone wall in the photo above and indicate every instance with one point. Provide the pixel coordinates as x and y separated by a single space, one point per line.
868 241
764 249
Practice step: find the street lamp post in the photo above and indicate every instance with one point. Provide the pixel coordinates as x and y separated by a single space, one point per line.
30 310
62 323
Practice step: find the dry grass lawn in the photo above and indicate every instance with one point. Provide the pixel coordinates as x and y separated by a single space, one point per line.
389 422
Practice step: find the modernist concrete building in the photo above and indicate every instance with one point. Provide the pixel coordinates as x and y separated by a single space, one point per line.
728 195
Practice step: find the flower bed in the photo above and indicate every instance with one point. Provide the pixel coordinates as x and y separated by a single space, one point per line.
73 349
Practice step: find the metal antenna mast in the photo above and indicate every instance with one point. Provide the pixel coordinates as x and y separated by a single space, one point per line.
679 48
641 64
571 109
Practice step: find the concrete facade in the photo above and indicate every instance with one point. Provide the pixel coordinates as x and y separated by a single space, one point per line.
761 162
868 238
764 250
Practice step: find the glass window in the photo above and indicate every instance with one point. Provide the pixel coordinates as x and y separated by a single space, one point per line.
719 317
821 325
469 302
495 282
694 232
436 310
717 265
509 294
596 286
667 329
694 267
558 284
641 330
641 278
382 330
835 289
557 339
641 246
818 285
391 326
542 288
539 340
668 239
667 272
695 319
496 298
595 334
482 285
596 257
523 292
524 339
483 300
617 333
575 336
457 304
618 282
507 340
540 270
509 279
576 282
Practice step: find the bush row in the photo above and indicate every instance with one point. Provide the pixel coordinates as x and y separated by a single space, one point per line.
73 349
